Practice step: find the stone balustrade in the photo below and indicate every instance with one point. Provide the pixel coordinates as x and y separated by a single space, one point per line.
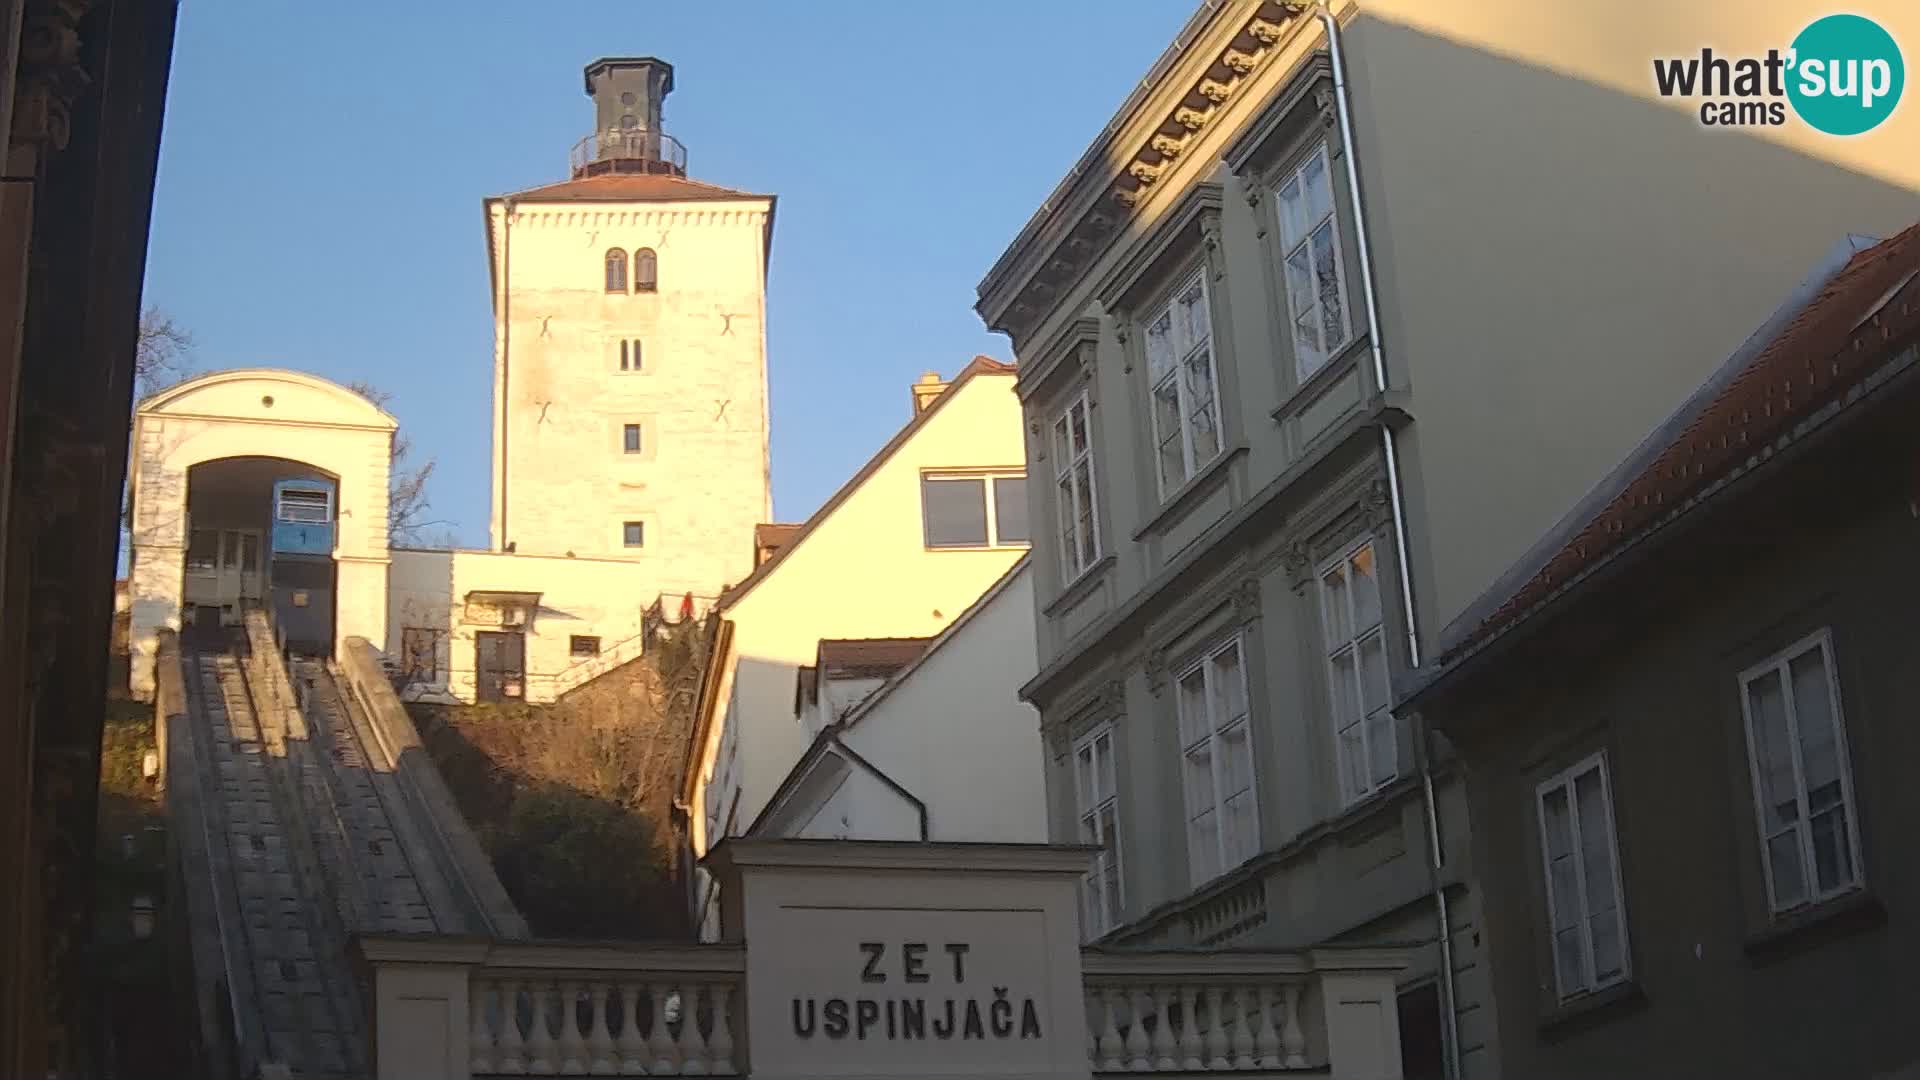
1196 1012
554 1009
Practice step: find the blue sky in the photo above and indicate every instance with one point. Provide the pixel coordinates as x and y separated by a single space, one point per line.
322 169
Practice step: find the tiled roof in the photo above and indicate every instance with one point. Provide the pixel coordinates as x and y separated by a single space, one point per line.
980 365
1823 352
775 535
630 187
868 658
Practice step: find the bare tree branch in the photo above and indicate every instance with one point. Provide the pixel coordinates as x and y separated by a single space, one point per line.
160 354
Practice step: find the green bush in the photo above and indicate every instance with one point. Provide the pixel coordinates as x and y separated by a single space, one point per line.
580 866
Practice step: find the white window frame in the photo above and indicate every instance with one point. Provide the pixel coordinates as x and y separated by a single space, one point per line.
1779 662
986 477
1306 364
1334 649
1587 982
1079 542
1198 871
1183 352
1099 911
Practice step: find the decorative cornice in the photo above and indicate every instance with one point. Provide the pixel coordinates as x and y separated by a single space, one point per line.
1024 303
50 75
1298 560
1246 601
1210 238
1156 669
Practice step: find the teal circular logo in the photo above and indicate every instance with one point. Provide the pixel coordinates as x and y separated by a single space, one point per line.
1846 74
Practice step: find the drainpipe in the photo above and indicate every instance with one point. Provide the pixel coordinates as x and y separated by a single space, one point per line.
1389 451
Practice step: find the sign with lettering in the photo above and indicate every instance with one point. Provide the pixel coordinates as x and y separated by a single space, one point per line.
963 1013
920 970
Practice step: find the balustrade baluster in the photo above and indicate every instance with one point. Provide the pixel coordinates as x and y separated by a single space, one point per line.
693 1048
1163 1044
1242 1033
540 1051
573 1048
1266 1041
600 1040
1293 1041
722 1042
1110 1044
632 1048
1217 1031
479 1039
512 1060
660 1040
1190 1029
1138 1046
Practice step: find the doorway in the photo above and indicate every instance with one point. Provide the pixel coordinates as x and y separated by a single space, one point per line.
223 570
499 664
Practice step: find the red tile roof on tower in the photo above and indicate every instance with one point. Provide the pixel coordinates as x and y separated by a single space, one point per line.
1825 351
630 187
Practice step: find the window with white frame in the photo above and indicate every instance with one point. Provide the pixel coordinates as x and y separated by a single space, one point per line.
1316 280
1217 763
1358 685
1098 805
1073 484
1586 912
970 510
1180 369
1802 779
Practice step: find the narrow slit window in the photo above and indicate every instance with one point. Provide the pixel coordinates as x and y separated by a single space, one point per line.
630 354
630 438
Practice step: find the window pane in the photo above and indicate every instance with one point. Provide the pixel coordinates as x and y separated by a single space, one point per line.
1193 707
956 511
1563 891
1083 494
1596 854
1567 949
1366 588
1236 761
249 553
1206 433
1062 447
1083 776
1783 857
1070 563
1374 681
1010 510
630 438
1293 212
203 550
1196 325
1313 176
1813 715
634 533
1832 857
1077 418
1333 607
1229 687
1300 294
1353 760
1609 951
1327 284
1199 780
1773 752
1341 688
1166 426
1203 846
1160 345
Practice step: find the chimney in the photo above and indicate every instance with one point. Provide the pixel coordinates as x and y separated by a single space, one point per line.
930 386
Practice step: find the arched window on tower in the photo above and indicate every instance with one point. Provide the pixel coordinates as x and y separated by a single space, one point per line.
646 271
616 270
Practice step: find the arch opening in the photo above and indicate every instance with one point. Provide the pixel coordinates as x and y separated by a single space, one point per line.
260 532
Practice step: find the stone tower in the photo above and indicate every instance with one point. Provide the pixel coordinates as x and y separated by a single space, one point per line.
630 377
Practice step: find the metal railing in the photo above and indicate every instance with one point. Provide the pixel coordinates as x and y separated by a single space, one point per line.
638 150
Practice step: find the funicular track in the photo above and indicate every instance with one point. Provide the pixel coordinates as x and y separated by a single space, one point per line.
287 972
305 828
